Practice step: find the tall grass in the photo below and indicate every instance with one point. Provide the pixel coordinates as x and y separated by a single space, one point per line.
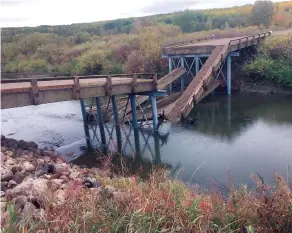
160 204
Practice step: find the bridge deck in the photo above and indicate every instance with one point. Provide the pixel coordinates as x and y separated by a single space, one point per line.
16 94
208 46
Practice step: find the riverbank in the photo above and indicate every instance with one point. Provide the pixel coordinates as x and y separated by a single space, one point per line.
273 63
40 191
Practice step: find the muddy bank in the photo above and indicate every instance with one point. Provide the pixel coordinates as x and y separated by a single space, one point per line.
31 176
244 84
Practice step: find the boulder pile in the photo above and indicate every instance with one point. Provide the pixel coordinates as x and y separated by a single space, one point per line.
29 174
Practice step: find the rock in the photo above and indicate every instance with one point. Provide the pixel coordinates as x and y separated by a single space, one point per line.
28 210
2 193
4 185
24 188
16 168
51 168
34 200
3 148
18 177
74 175
61 167
28 167
23 145
39 214
55 184
10 161
46 152
90 182
39 187
40 161
9 153
61 195
3 158
3 206
65 178
20 201
48 177
11 184
38 151
6 174
64 186
32 145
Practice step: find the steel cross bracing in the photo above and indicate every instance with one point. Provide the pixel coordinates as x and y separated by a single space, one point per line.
110 140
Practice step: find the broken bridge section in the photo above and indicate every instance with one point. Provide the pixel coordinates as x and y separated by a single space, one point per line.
204 61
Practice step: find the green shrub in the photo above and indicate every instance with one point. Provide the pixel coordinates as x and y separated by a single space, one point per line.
31 65
277 71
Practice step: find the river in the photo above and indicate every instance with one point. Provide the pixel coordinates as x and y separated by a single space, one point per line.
238 135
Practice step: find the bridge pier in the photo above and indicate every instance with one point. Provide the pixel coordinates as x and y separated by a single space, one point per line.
117 123
86 129
135 123
169 70
101 122
182 78
228 81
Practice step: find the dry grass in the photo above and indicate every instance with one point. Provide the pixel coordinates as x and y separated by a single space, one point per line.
160 204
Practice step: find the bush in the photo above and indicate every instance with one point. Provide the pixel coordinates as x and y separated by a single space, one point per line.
277 71
32 65
274 61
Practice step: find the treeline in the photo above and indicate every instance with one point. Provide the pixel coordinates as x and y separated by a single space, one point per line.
129 45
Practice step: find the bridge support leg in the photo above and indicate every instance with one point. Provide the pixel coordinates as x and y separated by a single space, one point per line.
101 122
228 75
86 130
170 69
182 78
157 148
135 124
117 123
197 64
154 112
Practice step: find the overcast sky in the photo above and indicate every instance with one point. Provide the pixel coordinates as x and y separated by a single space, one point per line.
16 13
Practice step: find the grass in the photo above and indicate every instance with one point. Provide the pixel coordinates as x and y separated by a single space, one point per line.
161 204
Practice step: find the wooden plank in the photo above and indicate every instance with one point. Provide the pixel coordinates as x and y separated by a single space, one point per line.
170 77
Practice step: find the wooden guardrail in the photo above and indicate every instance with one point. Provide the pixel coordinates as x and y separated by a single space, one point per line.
250 38
19 80
21 92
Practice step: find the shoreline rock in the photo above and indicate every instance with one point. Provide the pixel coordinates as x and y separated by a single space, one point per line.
29 175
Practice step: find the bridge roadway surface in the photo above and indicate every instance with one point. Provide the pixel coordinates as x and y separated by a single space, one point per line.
27 92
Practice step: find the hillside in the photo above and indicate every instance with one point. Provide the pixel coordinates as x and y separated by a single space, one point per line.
128 45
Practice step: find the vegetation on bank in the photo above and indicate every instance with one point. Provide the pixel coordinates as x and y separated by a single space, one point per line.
129 45
160 204
274 61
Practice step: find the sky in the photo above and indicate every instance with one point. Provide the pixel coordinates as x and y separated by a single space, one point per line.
18 13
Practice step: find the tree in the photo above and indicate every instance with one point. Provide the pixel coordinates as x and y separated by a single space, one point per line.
262 13
185 21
